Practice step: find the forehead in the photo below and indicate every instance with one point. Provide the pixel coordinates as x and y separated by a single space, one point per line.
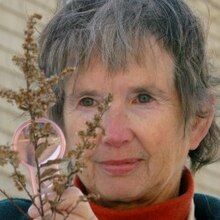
155 67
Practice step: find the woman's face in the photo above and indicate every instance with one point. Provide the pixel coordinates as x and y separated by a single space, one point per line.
144 149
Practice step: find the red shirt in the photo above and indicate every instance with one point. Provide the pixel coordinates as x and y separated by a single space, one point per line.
176 208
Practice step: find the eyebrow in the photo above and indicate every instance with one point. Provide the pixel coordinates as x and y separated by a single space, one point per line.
144 88
86 92
152 90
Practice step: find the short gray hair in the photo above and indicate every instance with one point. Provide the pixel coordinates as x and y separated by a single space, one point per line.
116 30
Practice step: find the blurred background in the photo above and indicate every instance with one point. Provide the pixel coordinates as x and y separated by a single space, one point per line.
13 17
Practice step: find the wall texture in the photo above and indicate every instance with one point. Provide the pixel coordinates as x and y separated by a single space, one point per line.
13 16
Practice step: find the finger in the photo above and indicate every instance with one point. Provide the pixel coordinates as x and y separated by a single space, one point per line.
33 212
57 216
69 198
47 216
72 204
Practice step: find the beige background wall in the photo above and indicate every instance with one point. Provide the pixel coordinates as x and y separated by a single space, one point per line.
13 16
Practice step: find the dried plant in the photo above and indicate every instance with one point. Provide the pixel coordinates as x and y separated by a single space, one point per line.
36 99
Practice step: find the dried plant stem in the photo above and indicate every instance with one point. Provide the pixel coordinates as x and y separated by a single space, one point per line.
36 99
50 178
25 189
39 188
41 211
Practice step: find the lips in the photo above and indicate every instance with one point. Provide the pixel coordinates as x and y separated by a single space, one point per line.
120 167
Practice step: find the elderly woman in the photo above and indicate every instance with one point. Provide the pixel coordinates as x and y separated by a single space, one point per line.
150 55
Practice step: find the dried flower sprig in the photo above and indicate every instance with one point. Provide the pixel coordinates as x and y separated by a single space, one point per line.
86 138
36 99
38 95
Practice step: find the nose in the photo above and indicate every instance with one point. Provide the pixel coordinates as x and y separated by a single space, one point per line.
117 130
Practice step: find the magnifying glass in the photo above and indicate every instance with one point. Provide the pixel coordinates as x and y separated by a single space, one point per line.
55 146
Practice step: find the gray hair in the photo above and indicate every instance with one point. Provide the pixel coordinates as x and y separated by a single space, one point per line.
116 30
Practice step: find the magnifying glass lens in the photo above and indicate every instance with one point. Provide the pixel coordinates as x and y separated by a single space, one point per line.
47 144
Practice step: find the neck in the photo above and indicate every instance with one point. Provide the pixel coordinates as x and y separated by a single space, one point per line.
177 208
169 190
162 195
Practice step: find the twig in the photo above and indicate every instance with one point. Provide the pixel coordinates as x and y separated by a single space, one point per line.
25 189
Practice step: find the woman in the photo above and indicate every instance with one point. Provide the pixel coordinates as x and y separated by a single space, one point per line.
150 55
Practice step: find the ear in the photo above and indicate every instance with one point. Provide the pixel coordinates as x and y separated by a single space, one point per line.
200 126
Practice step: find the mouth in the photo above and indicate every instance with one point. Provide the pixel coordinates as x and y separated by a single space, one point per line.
120 167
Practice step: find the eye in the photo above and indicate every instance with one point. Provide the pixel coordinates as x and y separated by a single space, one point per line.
87 102
143 98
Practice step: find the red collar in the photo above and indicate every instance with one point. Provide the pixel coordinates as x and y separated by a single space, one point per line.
176 209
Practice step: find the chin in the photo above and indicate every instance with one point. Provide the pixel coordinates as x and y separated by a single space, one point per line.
120 193
115 188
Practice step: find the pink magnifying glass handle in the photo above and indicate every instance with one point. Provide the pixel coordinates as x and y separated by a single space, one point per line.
21 143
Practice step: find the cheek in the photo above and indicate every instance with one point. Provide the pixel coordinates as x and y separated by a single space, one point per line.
153 132
161 138
74 122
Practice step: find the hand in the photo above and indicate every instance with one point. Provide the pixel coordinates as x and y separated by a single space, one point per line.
82 210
